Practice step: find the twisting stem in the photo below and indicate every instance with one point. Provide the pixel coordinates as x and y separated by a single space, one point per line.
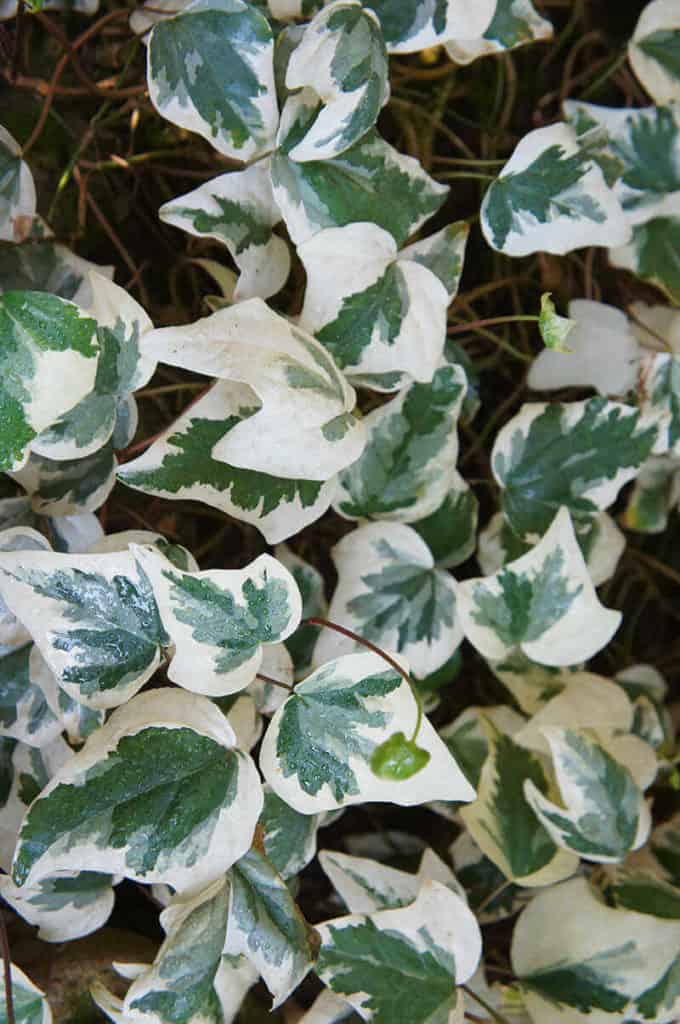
490 322
274 682
327 624
487 1006
7 965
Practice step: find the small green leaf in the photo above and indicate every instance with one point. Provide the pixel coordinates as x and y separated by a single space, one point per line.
554 329
398 758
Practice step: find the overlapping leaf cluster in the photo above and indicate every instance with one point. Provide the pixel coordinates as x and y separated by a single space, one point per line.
145 728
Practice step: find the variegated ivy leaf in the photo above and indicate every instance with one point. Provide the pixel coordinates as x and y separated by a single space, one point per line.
211 70
25 713
651 255
328 1008
377 312
370 182
390 593
410 25
76 719
409 463
443 254
450 532
24 772
17 190
13 633
604 814
647 689
289 837
602 963
304 426
30 1002
467 739
283 10
660 399
143 19
503 824
180 985
530 684
180 464
219 619
656 326
63 907
316 753
490 896
239 210
654 50
76 534
310 583
341 62
266 926
44 339
129 802
601 543
665 845
121 369
93 617
367 885
69 487
543 602
46 266
514 23
586 701
277 664
602 352
646 143
180 557
551 196
573 454
402 966
642 893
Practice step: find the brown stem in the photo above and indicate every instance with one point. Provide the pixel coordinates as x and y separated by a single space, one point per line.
274 682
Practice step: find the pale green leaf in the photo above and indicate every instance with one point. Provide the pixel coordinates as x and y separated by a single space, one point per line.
316 753
210 70
554 329
219 620
551 197
390 593
543 602
129 802
409 463
63 907
654 50
342 61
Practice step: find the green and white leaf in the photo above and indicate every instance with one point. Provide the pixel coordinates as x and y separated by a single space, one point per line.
551 196
219 619
44 339
610 962
482 880
180 465
467 736
180 557
604 815
651 255
143 18
328 1008
370 182
409 464
665 845
93 617
63 907
19 537
660 398
211 70
24 772
75 534
266 926
601 542
25 713
503 824
530 684
341 62
543 602
411 25
647 689
576 455
602 353
390 593
30 1002
17 190
128 803
289 838
68 487
514 23
310 583
304 426
239 210
367 885
450 531
77 720
121 369
402 966
654 50
646 143
277 664
317 750
50 267
376 311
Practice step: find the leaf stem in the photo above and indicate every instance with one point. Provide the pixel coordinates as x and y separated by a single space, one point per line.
491 322
487 1006
274 682
327 624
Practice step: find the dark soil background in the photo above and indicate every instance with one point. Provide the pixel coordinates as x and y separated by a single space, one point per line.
73 91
